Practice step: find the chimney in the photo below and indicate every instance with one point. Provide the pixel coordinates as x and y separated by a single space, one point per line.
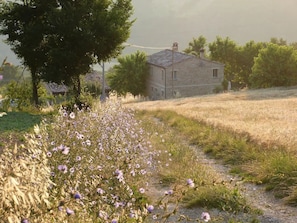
201 53
175 46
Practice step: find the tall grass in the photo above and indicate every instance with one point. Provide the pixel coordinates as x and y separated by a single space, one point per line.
99 166
211 191
217 123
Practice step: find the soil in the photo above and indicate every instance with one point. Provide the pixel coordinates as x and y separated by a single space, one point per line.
272 210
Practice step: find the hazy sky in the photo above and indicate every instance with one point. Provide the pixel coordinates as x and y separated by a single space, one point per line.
159 23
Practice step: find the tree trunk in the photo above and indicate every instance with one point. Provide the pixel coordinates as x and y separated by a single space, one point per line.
35 82
76 89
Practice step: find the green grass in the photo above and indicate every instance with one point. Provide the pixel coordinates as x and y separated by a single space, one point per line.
273 166
184 164
18 121
14 125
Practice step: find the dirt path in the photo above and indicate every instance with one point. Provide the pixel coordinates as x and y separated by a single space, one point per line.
274 211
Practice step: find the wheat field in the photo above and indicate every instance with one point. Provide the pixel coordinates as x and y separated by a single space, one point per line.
269 116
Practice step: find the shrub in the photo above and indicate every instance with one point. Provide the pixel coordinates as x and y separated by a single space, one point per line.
99 161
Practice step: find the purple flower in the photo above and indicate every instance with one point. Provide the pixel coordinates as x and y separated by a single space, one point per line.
169 192
62 168
114 221
69 211
24 220
190 182
205 216
77 196
141 190
65 150
100 191
150 208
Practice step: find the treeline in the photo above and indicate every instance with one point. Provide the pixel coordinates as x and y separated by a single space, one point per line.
253 65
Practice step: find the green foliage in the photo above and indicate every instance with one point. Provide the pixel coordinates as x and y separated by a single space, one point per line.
9 73
225 51
18 96
240 67
275 66
59 40
130 75
218 196
245 62
196 45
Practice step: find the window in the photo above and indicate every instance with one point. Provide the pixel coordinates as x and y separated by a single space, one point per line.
174 75
214 73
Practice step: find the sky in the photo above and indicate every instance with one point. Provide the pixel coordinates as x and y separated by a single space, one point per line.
159 23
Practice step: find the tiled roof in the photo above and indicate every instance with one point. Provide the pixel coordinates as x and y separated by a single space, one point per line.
56 88
164 58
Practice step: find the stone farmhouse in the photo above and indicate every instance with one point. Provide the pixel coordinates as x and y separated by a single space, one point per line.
174 74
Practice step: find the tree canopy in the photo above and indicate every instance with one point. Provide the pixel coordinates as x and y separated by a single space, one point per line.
196 45
59 39
276 65
255 64
129 76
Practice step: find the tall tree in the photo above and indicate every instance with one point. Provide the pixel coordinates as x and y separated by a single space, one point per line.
24 23
245 62
225 51
275 66
196 45
129 76
73 35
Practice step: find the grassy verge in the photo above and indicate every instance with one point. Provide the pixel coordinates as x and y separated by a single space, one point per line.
13 125
275 167
180 162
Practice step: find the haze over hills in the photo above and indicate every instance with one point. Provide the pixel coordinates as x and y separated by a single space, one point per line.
159 23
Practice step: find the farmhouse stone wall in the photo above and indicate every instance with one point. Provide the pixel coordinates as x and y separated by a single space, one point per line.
191 77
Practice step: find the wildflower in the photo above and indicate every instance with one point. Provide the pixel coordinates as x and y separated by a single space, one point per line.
155 217
132 215
103 215
114 221
49 154
100 191
65 150
205 216
143 172
141 190
150 208
62 168
169 192
77 196
191 183
24 220
72 115
69 211
72 170
88 142
78 158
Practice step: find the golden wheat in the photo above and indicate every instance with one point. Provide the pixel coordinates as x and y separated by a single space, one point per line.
268 116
